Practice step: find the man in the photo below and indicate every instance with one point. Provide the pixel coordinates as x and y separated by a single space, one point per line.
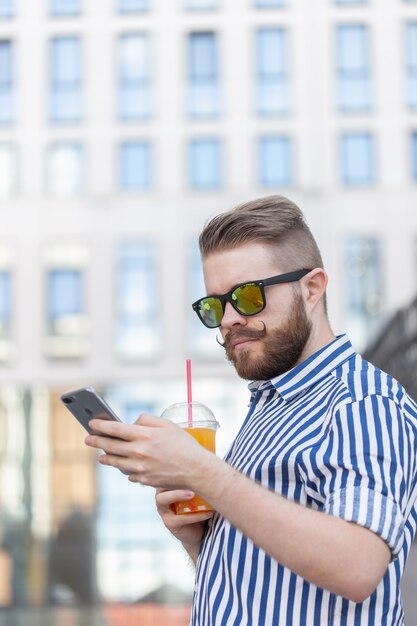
316 499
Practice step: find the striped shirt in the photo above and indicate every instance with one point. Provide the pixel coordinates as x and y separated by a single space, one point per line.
335 434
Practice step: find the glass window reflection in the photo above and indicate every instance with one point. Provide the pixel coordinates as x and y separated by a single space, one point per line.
134 76
67 328
65 7
6 82
351 2
204 164
357 158
6 312
201 5
272 71
275 161
137 335
135 166
353 68
364 293
411 64
7 9
201 341
132 6
414 156
66 79
8 170
203 89
65 167
266 4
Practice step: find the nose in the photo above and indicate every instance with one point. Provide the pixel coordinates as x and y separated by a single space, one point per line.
231 318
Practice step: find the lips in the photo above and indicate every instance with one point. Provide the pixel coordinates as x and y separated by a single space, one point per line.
241 343
233 340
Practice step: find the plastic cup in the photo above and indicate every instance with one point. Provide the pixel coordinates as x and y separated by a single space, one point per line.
201 424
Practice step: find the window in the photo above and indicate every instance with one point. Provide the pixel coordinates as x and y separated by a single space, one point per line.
364 296
204 164
272 67
65 7
135 166
7 347
357 159
203 99
66 319
137 334
132 6
65 309
6 82
201 5
414 155
8 170
134 85
351 2
411 64
353 73
64 293
6 9
5 312
275 161
65 166
199 338
66 79
266 4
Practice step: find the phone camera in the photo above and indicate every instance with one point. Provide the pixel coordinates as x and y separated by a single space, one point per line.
68 400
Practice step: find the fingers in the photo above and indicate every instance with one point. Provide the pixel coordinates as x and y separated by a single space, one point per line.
150 420
127 432
110 428
108 444
164 498
128 466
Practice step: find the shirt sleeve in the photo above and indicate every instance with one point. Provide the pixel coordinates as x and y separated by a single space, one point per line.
361 471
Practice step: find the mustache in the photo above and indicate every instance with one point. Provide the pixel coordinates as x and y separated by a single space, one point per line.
234 335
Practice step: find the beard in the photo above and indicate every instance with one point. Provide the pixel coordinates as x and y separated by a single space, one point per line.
282 347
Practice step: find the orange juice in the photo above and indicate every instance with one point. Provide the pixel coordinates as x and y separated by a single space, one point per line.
207 438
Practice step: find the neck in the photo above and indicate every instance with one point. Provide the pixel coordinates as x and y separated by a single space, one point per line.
321 335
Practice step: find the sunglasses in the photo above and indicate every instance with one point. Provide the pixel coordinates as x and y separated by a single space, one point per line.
246 298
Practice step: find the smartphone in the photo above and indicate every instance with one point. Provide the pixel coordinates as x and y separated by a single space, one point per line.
85 404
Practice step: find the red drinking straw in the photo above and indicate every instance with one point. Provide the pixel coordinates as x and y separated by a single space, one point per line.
189 394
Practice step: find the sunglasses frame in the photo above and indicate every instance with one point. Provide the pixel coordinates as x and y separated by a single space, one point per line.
289 277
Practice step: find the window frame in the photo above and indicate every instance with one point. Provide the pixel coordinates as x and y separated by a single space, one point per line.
60 86
346 77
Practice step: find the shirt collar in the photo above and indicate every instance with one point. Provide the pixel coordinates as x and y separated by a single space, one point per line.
310 371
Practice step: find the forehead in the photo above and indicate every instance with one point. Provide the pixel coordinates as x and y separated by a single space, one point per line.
226 268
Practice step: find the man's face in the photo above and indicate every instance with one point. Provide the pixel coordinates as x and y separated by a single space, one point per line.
271 342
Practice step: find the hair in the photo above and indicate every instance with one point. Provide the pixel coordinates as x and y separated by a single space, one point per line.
274 220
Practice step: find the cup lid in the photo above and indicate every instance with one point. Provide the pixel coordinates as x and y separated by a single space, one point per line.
200 415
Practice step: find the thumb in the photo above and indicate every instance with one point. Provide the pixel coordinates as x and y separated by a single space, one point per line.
150 420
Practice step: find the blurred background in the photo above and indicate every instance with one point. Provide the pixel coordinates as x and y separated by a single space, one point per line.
124 125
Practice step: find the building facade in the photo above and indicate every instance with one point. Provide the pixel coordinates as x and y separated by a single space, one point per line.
124 125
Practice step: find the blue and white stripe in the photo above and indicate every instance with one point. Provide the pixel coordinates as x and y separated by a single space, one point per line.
338 435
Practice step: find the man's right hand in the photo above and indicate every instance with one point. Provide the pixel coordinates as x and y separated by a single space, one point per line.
188 528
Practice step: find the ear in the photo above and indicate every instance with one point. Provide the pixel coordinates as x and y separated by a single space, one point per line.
313 287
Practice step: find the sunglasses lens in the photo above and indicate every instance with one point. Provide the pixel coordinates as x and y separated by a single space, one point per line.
248 299
210 311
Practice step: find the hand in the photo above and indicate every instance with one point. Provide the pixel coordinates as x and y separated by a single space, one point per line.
153 451
188 528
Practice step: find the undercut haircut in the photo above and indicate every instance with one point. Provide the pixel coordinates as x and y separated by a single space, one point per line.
273 220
